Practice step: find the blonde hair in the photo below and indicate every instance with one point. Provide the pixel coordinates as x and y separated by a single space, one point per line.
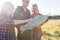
5 7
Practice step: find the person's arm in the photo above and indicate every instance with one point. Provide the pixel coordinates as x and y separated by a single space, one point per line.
21 21
17 18
6 22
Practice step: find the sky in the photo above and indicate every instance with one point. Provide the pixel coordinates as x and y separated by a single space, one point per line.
46 7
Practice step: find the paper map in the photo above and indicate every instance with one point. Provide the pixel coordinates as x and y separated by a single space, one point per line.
36 21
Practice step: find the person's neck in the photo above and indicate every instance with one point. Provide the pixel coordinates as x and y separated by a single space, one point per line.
24 8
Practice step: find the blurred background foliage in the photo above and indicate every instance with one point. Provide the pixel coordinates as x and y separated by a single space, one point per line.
51 29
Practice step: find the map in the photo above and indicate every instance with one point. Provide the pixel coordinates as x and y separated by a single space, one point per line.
36 21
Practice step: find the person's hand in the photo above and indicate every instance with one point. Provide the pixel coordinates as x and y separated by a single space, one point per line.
22 29
44 22
29 19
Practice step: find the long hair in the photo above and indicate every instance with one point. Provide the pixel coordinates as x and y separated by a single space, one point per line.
5 7
35 5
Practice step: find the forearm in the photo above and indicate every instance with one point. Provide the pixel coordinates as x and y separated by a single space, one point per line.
19 22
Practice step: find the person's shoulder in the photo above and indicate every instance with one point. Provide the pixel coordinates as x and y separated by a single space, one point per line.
39 14
28 10
18 8
2 18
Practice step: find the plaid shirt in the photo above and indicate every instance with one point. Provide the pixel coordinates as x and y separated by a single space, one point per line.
6 29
